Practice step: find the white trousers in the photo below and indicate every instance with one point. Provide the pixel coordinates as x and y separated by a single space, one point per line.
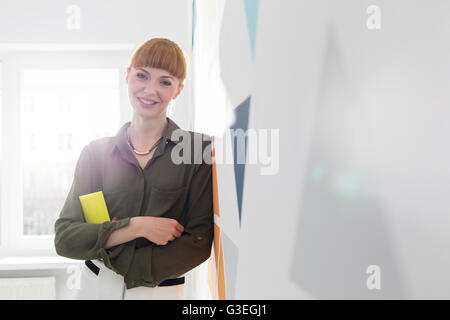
108 285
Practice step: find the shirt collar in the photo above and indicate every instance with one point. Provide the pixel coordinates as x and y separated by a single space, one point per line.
171 127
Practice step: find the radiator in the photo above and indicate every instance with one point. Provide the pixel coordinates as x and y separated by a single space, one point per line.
42 288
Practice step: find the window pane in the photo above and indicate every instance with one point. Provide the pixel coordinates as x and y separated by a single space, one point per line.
61 111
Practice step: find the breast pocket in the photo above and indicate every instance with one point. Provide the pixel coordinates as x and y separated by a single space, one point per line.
119 203
166 203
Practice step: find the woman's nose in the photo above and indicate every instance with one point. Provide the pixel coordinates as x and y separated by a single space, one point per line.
149 88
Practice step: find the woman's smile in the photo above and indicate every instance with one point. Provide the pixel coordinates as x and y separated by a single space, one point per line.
147 102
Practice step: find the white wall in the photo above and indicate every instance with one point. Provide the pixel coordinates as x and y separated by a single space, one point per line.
363 174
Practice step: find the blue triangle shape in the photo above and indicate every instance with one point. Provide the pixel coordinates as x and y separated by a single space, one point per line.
241 115
251 11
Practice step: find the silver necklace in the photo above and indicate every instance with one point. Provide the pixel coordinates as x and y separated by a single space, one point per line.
130 144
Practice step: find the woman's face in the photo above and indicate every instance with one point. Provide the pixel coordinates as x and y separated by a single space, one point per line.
150 90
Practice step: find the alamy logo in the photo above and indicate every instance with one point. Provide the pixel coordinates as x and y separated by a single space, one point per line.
252 147
74 278
74 19
374 20
374 280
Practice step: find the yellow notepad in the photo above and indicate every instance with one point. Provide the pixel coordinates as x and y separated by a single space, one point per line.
94 207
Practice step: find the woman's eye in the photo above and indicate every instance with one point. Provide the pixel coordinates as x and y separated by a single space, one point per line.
141 75
166 83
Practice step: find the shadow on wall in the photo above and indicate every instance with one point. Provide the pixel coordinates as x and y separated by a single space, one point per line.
341 229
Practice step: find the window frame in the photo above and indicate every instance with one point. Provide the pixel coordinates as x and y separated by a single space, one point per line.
14 61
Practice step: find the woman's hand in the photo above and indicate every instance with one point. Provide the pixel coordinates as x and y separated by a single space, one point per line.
157 229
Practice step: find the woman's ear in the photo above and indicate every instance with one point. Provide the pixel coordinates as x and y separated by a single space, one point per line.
180 88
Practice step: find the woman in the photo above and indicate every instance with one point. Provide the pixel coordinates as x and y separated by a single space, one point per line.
161 211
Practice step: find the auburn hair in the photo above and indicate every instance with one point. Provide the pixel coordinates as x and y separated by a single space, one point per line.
162 54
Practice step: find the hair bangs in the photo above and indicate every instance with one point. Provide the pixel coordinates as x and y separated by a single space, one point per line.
161 54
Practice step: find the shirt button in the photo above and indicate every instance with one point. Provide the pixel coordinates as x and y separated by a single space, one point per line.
199 238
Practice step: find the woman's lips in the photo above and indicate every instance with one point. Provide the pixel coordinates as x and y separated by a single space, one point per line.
147 103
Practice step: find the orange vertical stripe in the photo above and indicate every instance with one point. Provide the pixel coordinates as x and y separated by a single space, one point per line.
216 242
222 293
216 273
215 186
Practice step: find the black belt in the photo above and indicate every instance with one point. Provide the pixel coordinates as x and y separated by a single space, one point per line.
165 283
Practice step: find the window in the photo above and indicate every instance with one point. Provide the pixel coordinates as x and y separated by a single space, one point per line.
62 110
54 103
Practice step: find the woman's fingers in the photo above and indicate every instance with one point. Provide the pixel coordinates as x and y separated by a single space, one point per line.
161 230
179 227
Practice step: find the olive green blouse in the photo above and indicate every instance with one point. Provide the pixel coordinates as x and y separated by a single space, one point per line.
162 189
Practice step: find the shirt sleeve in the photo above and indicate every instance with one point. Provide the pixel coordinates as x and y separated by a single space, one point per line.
74 237
154 264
